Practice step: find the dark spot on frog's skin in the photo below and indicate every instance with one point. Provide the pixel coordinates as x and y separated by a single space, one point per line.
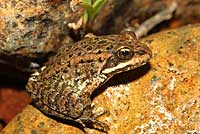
130 42
77 49
81 43
121 40
79 53
65 70
70 55
67 50
102 42
3 45
92 72
112 39
92 65
81 61
57 71
51 63
59 63
68 64
120 44
100 59
75 66
14 25
84 46
99 52
96 38
109 47
89 48
89 61
77 73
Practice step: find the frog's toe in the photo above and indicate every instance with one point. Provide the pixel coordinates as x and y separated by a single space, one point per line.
90 122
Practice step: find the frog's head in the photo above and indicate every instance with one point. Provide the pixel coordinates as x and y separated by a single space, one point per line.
127 54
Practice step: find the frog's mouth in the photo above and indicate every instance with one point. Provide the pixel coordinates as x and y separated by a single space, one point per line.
129 65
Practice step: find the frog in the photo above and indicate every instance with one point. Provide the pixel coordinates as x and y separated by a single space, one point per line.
63 87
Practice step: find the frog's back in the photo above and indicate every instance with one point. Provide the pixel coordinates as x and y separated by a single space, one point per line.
86 55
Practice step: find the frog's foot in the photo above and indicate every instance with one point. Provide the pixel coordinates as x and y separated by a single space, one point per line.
100 113
95 124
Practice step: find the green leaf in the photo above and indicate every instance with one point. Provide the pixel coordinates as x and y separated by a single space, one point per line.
89 2
85 17
98 4
91 9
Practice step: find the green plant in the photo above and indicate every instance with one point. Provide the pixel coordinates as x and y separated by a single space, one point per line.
91 9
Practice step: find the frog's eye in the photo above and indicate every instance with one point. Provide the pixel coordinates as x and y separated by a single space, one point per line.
125 53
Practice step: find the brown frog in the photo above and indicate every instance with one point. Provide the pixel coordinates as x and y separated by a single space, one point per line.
63 87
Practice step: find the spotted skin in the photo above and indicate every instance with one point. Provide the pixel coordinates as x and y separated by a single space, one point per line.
62 88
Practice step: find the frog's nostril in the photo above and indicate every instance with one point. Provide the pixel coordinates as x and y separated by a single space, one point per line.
141 52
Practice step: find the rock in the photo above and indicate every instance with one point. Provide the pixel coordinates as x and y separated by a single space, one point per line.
30 31
12 101
160 97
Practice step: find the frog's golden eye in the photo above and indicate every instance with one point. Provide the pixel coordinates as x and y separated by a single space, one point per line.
125 53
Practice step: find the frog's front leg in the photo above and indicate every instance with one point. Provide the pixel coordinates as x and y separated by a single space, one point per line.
86 119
